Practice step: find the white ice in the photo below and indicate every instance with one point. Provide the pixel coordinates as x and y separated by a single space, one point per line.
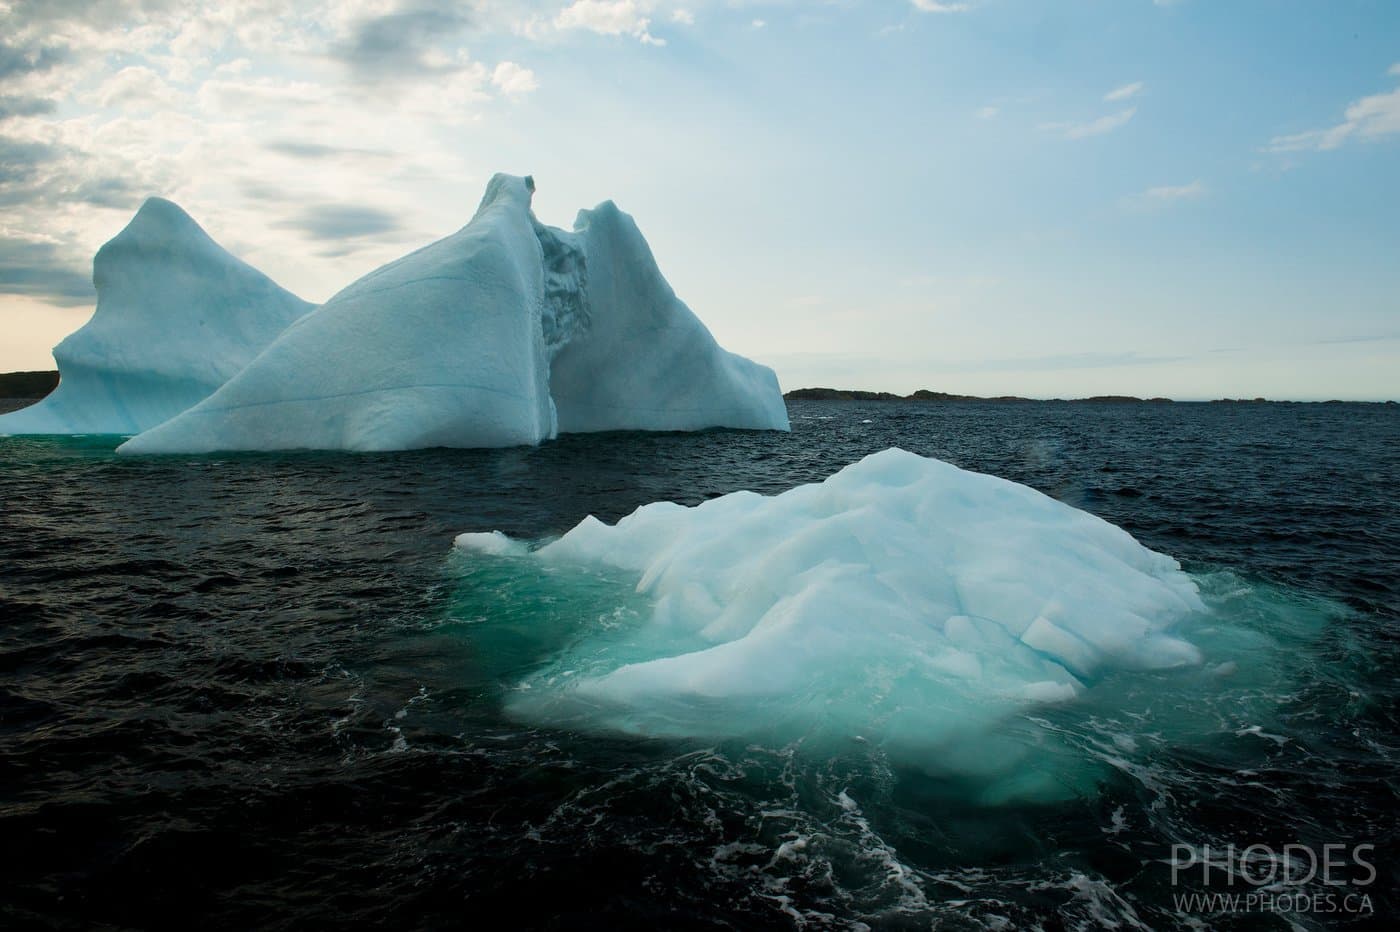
177 316
505 333
903 600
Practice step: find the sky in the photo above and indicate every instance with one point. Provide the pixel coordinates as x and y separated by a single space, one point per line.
1053 198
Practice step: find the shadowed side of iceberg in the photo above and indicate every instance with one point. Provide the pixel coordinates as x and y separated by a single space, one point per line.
177 316
646 362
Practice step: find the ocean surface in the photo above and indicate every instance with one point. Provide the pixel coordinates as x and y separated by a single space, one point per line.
262 691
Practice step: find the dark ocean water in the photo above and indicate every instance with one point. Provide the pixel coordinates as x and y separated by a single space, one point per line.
259 691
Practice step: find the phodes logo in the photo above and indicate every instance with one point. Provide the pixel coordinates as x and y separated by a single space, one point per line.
1293 878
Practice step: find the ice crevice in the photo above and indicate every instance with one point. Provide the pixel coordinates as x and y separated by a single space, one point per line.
566 312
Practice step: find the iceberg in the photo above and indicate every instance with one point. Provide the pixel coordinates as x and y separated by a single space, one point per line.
645 361
903 601
443 347
504 333
177 316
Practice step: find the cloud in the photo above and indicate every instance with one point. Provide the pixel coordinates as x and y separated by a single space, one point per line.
248 98
403 43
16 106
20 60
340 221
39 268
513 80
106 191
94 12
107 101
135 87
1367 119
45 175
312 150
21 159
1124 92
988 113
609 18
687 18
1163 196
939 6
1180 192
1104 124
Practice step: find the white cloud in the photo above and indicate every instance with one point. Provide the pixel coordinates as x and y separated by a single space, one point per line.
135 87
1180 192
249 97
610 18
1164 196
1104 124
236 66
1124 92
1367 119
940 6
240 113
758 23
684 17
513 80
988 113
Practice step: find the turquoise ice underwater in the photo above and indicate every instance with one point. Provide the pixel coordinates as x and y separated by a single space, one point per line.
947 622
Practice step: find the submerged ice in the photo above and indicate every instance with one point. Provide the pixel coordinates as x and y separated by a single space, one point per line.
902 601
504 333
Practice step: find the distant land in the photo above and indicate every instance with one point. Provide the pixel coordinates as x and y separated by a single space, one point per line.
25 385
35 385
924 394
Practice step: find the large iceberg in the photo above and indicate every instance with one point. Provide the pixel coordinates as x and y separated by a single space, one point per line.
902 601
505 333
177 316
443 347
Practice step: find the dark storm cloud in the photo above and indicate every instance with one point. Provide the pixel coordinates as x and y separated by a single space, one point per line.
117 193
24 13
21 160
394 44
11 106
264 192
40 270
36 174
19 60
341 221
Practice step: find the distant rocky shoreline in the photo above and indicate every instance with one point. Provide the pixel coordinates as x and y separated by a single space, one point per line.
924 394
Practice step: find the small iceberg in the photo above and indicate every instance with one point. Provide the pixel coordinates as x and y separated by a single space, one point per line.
903 602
